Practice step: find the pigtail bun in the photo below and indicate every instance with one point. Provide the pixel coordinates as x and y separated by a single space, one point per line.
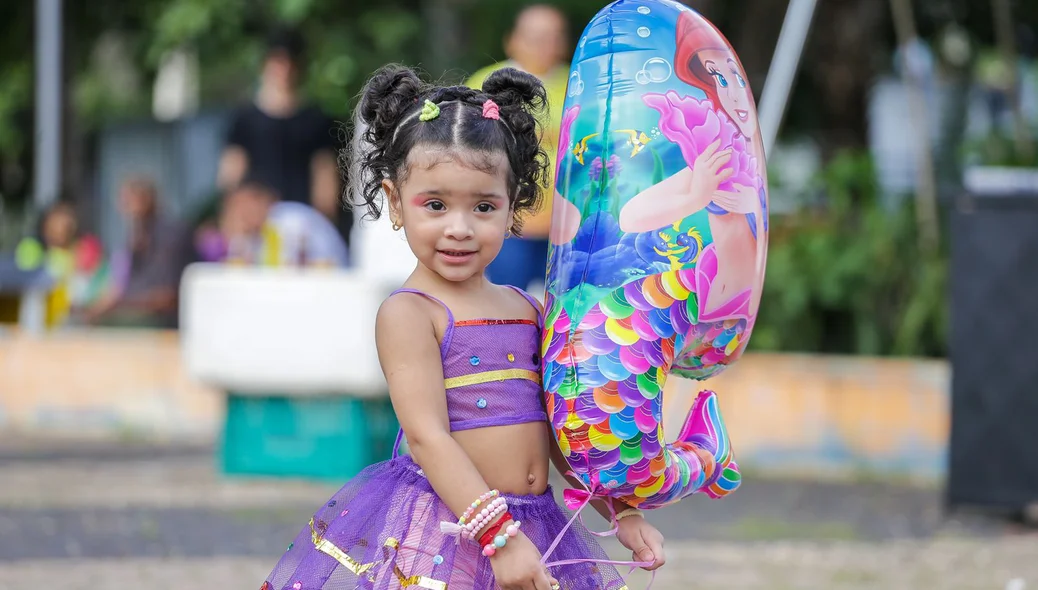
523 102
389 95
510 87
392 91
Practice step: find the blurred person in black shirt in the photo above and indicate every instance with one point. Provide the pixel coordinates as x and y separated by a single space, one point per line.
282 142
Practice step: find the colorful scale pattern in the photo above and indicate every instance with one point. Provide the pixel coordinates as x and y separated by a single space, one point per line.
604 378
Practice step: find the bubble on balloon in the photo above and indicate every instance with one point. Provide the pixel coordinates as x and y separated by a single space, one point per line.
644 32
576 85
643 10
655 71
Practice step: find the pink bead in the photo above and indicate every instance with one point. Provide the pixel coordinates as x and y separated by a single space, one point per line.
511 531
489 551
485 512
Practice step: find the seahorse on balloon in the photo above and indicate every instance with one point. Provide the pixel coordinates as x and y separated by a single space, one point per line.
606 367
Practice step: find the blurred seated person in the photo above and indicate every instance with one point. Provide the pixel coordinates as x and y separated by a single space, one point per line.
146 271
73 262
259 229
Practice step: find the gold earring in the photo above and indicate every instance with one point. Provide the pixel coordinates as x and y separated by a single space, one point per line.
508 233
396 226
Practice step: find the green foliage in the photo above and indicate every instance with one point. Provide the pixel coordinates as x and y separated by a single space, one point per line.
346 40
999 149
15 93
849 277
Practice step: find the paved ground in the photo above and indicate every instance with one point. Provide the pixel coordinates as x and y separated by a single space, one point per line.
105 516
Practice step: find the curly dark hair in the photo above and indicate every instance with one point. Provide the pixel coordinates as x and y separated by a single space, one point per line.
387 128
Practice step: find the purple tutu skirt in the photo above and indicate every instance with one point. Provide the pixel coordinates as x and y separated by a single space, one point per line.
381 531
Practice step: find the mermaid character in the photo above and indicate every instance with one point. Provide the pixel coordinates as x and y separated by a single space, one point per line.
736 202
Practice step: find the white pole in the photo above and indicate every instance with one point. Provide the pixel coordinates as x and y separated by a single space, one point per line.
47 174
47 171
775 96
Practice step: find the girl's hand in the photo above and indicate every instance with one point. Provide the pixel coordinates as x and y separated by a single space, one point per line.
644 541
707 174
517 566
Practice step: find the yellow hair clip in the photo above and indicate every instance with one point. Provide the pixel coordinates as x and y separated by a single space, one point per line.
429 111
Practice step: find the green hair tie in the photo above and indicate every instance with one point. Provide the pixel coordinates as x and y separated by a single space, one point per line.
429 111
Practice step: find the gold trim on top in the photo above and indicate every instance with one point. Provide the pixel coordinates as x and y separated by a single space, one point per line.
490 376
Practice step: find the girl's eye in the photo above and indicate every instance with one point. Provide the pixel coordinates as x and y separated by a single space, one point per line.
435 206
484 207
742 82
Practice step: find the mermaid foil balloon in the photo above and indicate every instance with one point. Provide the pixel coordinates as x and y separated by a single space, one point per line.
659 238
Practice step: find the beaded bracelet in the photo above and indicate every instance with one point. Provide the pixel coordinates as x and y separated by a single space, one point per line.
472 508
488 535
489 514
472 522
499 540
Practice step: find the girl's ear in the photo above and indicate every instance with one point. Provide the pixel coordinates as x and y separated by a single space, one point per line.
513 227
393 198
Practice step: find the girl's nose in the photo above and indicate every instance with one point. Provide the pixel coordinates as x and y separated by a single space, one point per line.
459 228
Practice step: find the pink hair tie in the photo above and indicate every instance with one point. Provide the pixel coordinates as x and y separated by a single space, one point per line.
491 110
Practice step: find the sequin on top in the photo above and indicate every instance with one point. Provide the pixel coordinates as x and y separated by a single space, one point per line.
491 370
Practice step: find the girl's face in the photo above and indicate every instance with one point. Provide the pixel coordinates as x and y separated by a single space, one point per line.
455 215
59 228
732 90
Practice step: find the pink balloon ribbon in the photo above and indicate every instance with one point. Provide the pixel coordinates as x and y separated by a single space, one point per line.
576 500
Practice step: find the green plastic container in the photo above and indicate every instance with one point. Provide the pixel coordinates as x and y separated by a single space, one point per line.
323 438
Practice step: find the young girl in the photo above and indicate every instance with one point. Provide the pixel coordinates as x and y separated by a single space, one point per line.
471 507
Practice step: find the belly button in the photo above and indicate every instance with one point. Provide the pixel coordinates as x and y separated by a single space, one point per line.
531 479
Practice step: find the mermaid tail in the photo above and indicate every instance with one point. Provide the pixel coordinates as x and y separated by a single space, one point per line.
603 381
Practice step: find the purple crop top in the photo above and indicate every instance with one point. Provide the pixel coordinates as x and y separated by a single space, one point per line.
491 370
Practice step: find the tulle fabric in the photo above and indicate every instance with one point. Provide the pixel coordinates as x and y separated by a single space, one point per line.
381 531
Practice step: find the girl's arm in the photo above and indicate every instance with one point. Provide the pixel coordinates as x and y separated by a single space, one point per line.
410 357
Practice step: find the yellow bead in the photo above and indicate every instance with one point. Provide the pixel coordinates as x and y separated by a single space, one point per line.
511 358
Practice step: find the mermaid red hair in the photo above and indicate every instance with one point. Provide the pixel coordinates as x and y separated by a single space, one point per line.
696 34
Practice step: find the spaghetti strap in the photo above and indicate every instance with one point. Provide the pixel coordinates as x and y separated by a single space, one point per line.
450 316
447 333
533 303
444 345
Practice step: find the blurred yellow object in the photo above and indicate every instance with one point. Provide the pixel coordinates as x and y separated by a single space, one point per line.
31 255
271 246
58 304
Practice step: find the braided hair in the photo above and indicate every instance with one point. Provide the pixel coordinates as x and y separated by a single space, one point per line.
387 128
